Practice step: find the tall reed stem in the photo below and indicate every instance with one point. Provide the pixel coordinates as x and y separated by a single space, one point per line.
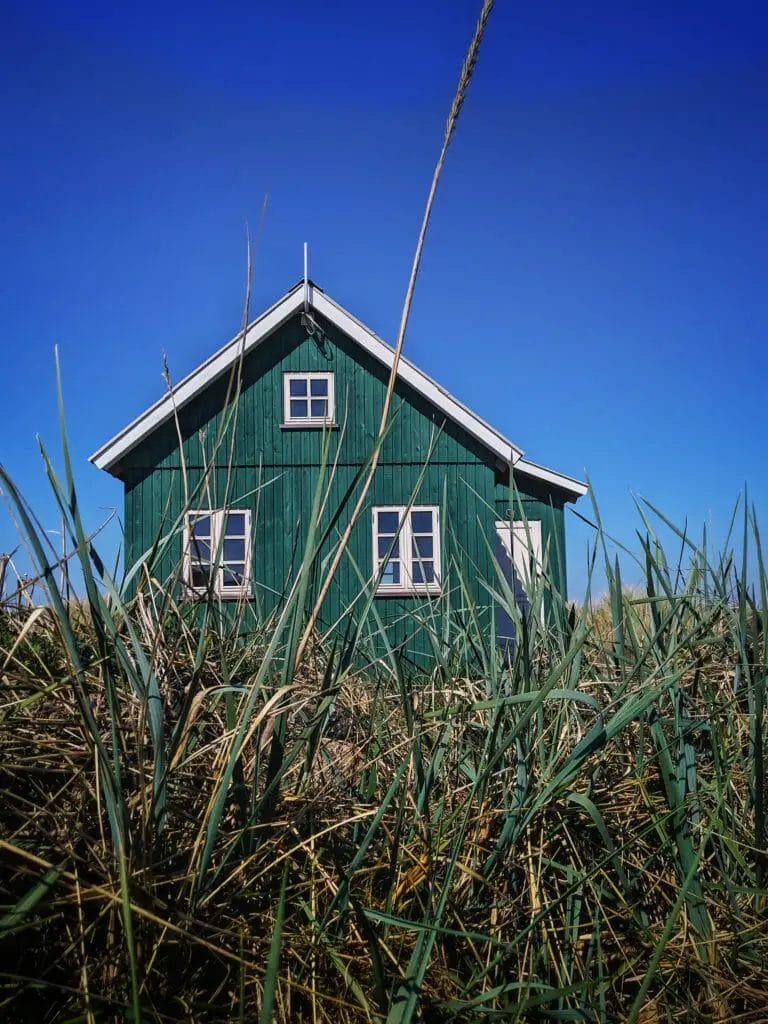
467 70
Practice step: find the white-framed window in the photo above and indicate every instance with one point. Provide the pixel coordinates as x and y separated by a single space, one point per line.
217 552
308 400
406 542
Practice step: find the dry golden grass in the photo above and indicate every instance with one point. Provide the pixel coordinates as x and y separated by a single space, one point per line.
563 915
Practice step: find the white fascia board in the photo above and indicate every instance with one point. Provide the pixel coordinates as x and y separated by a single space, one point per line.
419 381
217 364
567 483
110 453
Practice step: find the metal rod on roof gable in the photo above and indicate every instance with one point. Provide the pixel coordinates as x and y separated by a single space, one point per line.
306 278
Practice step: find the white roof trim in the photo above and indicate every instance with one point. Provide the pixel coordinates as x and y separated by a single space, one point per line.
110 453
567 483
418 380
108 456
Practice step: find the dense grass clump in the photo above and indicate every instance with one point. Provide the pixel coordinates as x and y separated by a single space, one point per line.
198 825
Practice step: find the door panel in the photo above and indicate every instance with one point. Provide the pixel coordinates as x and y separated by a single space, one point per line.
513 554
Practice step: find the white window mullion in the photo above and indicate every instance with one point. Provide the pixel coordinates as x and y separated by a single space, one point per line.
439 551
217 553
213 577
406 535
248 565
407 553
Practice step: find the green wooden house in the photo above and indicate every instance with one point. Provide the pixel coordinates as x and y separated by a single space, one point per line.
227 462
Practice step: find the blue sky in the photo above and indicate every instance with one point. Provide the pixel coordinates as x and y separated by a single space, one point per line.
593 281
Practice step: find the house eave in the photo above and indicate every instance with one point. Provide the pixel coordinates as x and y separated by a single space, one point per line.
108 457
422 383
572 487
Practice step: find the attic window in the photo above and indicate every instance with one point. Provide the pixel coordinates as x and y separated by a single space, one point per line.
217 552
308 400
406 549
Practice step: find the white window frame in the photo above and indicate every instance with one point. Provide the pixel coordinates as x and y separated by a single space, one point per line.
217 517
406 586
308 420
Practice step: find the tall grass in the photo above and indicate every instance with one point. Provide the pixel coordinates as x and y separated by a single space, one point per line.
199 827
206 824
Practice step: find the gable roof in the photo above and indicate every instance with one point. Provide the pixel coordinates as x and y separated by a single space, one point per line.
108 456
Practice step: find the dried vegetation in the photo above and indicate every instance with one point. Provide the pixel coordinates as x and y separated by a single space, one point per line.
196 827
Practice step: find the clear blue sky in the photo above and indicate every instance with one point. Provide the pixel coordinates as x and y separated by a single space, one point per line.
594 282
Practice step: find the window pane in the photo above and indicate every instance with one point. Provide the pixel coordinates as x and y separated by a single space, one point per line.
421 522
384 546
298 408
298 387
388 522
391 573
318 387
234 551
318 407
423 572
233 575
200 576
200 550
201 527
423 547
235 524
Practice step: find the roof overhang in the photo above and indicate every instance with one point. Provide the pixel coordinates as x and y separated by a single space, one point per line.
574 488
109 455
419 381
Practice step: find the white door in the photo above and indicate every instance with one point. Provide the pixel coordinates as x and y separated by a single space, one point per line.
518 550
520 544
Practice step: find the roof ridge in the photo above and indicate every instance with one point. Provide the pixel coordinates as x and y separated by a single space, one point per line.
258 330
